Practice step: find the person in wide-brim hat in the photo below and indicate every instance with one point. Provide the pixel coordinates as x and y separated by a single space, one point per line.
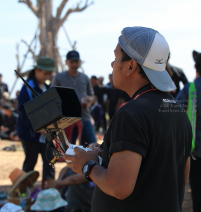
21 180
45 66
34 143
49 200
45 63
11 207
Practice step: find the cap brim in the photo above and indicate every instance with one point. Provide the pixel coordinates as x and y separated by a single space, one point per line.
160 79
74 58
45 68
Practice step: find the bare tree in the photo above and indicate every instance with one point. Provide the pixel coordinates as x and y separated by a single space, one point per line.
49 26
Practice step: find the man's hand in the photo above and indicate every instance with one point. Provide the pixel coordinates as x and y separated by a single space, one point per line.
96 147
58 184
90 101
80 158
4 129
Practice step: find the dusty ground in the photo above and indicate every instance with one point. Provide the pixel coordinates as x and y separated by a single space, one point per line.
11 160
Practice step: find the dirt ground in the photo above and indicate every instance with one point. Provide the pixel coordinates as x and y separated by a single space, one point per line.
11 160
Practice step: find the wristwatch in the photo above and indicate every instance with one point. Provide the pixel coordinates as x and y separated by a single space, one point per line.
86 169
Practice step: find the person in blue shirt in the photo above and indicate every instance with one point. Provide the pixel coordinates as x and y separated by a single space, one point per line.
195 170
34 143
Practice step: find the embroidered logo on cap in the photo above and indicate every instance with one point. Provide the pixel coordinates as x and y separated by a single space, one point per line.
159 61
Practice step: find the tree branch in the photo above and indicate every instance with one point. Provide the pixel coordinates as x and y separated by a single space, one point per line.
77 9
29 49
33 8
60 8
40 5
72 45
18 57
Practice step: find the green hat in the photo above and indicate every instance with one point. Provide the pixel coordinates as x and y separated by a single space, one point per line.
45 63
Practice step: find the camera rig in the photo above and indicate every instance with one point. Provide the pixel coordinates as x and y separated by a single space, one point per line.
50 113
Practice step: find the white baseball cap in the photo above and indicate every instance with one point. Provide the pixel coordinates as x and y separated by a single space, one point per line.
150 49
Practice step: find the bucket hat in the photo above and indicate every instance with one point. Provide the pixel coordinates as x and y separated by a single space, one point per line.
45 63
10 207
150 49
21 179
48 200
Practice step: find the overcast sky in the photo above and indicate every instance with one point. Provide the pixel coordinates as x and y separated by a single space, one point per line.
97 29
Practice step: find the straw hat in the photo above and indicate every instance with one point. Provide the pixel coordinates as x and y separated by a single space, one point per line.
21 179
48 200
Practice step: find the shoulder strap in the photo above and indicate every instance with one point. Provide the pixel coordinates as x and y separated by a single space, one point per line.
31 83
192 110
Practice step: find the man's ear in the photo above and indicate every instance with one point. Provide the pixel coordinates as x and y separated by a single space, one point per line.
133 67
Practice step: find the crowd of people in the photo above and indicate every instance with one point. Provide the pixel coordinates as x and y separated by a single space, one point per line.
131 135
8 113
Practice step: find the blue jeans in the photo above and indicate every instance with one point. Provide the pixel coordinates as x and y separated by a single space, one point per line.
88 133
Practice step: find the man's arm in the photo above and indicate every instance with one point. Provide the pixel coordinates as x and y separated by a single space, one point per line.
62 173
187 171
90 100
183 78
182 96
72 180
119 179
6 88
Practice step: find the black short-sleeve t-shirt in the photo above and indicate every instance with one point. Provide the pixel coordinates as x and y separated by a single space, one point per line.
155 126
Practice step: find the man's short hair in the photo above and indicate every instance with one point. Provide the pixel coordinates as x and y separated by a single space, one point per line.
94 77
1 75
198 68
126 57
197 60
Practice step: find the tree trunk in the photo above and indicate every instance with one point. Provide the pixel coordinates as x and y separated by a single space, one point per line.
48 33
49 26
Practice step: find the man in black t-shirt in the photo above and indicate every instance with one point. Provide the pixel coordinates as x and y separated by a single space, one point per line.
98 91
146 150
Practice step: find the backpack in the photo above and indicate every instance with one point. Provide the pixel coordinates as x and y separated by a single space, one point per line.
192 113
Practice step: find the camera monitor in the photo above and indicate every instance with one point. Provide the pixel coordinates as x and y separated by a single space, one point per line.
53 110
